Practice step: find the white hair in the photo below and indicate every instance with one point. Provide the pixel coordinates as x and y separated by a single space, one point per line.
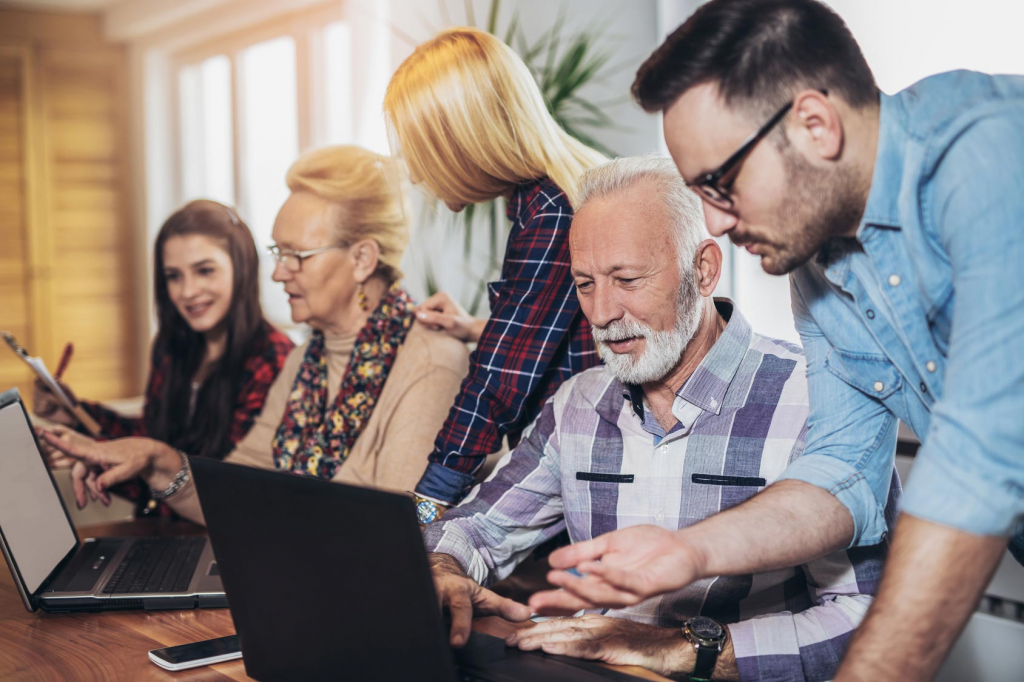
662 349
682 204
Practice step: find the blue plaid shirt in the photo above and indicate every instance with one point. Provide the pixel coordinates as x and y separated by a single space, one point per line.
597 460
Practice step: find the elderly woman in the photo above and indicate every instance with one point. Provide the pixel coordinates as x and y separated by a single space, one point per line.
362 400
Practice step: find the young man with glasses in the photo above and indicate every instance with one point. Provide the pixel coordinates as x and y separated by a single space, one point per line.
901 223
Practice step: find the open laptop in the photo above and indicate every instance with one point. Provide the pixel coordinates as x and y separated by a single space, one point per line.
331 581
56 572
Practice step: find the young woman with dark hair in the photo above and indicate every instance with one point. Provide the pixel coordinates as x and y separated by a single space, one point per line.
214 356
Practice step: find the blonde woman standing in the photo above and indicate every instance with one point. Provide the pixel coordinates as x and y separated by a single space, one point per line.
471 123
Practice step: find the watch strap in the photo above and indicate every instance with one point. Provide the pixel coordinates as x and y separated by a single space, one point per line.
707 657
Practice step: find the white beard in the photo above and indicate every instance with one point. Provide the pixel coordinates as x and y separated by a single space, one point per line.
662 349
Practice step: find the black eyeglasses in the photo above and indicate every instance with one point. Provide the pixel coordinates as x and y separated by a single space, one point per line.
709 185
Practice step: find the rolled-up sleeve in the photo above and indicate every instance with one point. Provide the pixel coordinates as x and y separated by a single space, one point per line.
851 438
516 509
969 472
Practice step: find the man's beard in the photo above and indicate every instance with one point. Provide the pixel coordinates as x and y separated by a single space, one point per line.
818 207
663 350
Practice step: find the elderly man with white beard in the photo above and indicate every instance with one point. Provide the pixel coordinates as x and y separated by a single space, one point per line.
692 413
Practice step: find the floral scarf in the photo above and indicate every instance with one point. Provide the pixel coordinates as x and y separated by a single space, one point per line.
315 440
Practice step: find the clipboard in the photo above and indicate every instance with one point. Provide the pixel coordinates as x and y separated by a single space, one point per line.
38 367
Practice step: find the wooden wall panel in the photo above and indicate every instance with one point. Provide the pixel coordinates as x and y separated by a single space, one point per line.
66 262
14 270
92 285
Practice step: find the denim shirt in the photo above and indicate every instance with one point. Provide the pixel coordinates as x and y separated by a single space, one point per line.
921 316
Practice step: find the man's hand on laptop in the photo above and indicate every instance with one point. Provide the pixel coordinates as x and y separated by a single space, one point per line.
465 598
618 569
615 641
99 466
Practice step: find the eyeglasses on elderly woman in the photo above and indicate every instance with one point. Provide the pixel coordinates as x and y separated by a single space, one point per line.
292 259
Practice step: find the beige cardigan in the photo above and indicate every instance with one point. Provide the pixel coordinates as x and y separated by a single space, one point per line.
392 450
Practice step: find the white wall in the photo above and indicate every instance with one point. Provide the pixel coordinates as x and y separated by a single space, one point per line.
906 40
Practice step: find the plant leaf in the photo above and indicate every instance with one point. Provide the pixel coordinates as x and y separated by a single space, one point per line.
513 26
442 7
429 280
553 39
492 17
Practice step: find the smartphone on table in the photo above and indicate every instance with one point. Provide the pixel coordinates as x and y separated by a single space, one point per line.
193 655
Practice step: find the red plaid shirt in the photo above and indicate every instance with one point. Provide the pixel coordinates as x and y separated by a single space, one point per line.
535 339
258 373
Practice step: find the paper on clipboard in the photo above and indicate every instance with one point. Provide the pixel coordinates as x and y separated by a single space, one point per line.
39 368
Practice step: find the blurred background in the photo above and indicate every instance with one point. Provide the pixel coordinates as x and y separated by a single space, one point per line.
115 112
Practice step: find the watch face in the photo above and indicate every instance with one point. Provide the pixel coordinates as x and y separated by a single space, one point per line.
426 512
705 628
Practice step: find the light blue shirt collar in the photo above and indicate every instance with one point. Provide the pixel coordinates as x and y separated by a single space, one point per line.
882 208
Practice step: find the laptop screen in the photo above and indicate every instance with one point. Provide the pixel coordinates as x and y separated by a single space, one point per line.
32 518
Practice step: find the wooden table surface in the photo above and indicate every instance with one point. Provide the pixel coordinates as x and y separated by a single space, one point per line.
114 645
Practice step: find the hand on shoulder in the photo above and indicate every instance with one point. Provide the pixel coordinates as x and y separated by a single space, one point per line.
443 313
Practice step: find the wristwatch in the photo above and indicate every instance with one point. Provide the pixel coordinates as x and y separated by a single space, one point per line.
708 637
427 511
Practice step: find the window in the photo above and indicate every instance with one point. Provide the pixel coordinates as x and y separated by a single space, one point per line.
337 83
249 104
268 122
206 144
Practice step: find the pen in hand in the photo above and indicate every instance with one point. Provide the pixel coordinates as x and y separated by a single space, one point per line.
65 358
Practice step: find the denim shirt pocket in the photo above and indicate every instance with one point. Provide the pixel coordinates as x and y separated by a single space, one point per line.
870 373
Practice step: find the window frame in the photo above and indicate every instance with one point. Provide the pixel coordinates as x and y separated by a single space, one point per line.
306 28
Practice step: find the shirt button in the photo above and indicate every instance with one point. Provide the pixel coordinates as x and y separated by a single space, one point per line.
664 449
894 280
924 389
660 516
931 366
879 386
871 314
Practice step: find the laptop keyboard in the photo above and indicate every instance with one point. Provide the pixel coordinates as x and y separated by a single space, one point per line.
157 565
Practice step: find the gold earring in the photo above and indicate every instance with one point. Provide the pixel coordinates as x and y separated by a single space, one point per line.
361 298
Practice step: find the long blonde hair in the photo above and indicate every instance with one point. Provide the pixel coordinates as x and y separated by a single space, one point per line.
470 121
368 189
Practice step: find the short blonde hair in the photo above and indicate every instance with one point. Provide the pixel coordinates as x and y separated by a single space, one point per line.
471 122
368 189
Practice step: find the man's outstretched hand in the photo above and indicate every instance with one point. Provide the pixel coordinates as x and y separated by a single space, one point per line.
618 569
